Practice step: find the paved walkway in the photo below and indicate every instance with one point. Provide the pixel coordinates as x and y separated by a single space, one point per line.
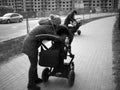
93 62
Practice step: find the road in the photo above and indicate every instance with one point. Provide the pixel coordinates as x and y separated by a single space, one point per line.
93 62
9 31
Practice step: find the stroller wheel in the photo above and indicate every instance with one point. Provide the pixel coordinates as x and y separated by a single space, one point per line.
71 78
45 74
79 32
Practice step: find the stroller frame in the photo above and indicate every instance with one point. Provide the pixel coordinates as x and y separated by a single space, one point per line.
66 70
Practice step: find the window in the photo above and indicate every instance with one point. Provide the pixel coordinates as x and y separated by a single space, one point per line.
14 15
110 5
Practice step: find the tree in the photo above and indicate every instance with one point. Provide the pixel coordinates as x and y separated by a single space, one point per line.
5 9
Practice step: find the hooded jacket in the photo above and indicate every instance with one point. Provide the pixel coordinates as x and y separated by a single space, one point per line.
31 43
70 17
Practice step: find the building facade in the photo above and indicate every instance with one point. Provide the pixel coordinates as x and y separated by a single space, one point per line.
100 5
52 6
59 6
119 4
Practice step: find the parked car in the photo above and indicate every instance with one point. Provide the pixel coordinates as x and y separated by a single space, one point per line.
11 17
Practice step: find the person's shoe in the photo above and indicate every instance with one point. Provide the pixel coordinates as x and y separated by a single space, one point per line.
38 81
34 88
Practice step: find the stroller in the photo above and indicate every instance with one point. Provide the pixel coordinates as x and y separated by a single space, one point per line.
74 26
52 58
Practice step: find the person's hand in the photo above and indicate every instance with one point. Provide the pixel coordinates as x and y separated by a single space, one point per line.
74 23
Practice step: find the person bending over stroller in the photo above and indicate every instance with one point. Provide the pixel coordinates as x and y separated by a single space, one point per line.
31 45
30 48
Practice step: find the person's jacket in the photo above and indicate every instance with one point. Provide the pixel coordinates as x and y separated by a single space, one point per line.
69 18
31 43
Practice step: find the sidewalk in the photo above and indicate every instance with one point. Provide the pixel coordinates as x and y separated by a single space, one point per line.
93 62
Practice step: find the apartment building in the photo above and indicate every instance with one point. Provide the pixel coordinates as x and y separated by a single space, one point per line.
119 4
52 6
100 5
58 6
44 5
15 4
67 5
3 2
38 5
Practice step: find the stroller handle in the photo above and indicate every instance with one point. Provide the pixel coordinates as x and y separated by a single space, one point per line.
49 37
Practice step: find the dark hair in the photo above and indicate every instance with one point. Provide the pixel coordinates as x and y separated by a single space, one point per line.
74 11
62 29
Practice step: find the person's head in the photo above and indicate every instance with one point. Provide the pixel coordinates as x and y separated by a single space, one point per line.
62 29
51 16
56 20
74 11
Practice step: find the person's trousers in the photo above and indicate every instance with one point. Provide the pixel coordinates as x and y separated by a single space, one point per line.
32 74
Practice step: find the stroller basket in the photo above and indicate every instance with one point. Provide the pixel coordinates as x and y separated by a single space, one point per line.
49 58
